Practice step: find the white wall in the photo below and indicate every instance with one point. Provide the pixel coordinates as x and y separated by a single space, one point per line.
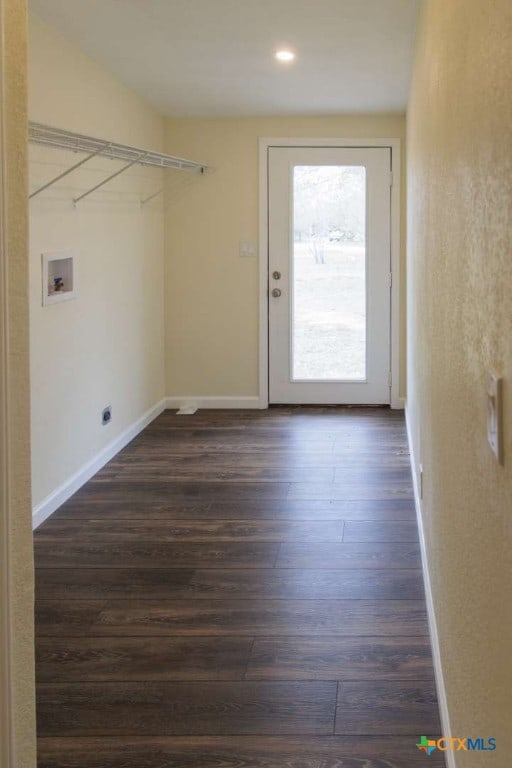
459 326
212 295
105 347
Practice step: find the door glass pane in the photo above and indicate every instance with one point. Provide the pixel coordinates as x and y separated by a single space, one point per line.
329 273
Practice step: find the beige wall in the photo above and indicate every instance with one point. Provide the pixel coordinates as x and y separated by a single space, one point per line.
16 568
460 325
211 293
105 347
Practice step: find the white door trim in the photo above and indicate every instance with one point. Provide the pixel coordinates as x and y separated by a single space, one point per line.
6 734
394 145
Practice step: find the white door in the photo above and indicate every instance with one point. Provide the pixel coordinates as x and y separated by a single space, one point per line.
329 275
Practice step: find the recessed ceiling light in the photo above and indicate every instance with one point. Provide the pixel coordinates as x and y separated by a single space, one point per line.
285 55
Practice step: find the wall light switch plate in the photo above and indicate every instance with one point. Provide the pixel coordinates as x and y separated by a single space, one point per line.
495 414
248 248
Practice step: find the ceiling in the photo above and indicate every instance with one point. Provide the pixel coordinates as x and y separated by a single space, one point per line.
215 57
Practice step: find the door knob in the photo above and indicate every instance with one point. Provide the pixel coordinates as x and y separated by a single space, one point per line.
276 275
276 292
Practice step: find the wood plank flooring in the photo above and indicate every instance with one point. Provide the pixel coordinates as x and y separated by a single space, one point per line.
238 589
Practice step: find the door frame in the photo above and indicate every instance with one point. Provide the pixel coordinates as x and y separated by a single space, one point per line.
395 146
17 700
6 698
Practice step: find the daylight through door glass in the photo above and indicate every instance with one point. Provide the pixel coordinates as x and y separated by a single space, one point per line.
328 337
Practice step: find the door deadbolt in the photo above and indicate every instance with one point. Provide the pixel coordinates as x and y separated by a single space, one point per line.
276 292
276 275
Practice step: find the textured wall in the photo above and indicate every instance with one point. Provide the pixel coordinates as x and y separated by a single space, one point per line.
105 347
212 295
19 528
460 325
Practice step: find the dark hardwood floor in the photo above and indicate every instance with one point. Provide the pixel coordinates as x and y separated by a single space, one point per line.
238 589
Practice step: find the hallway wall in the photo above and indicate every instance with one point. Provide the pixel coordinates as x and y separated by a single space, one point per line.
459 326
212 294
105 347
17 719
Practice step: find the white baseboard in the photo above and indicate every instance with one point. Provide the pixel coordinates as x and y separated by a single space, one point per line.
432 622
213 402
61 494
398 404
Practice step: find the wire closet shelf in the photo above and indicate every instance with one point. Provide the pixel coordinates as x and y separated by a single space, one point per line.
59 138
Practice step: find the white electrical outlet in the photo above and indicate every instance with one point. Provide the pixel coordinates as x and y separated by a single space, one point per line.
495 414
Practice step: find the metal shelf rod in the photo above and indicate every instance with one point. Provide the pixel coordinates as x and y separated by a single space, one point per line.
76 142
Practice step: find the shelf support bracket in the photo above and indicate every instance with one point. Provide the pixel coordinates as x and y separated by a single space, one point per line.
112 176
69 170
151 197
163 189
